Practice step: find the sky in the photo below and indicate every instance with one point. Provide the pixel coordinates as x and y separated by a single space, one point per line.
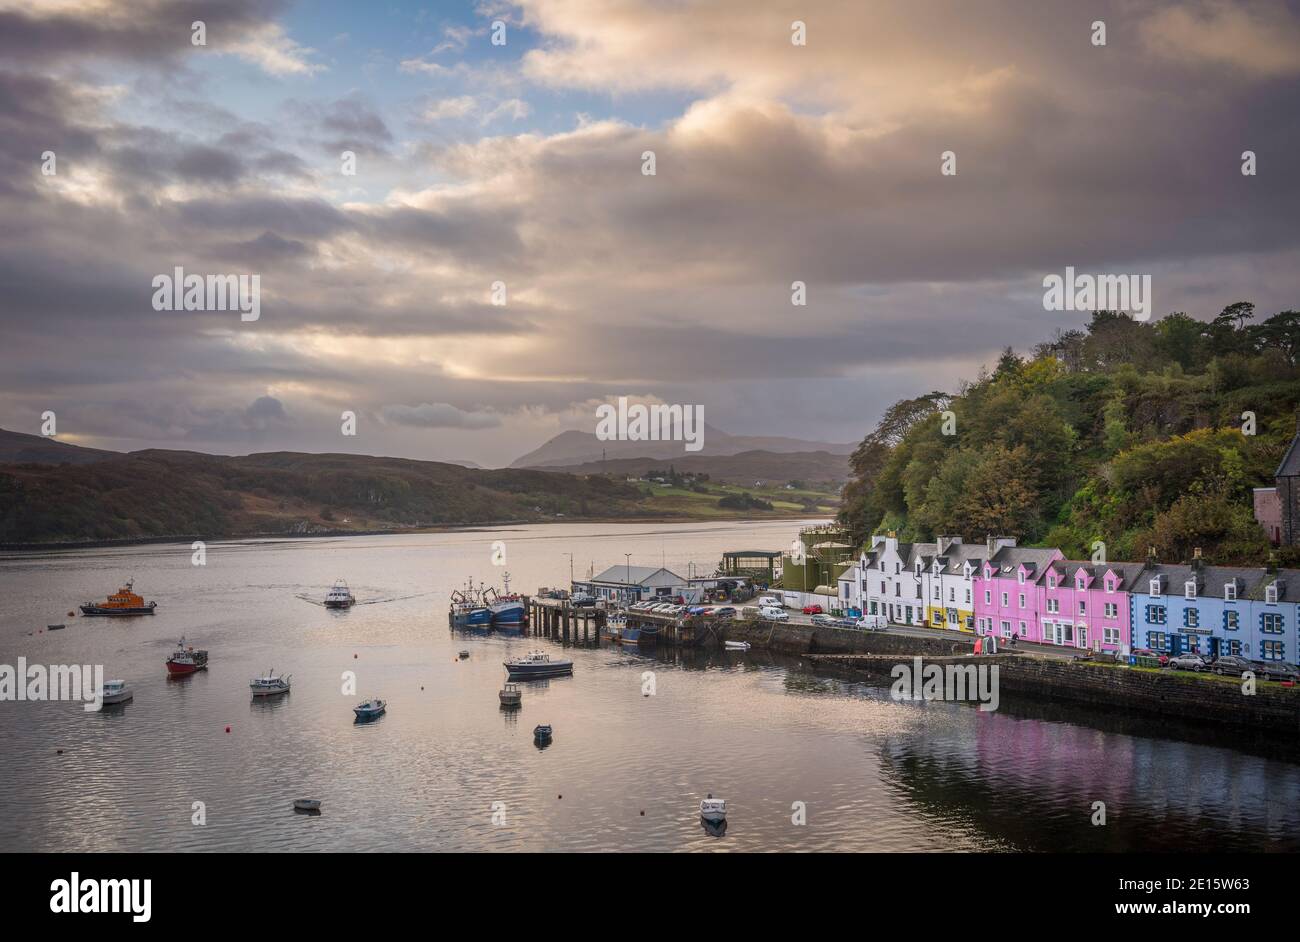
522 163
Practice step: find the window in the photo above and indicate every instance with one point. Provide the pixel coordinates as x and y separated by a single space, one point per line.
1230 621
1155 587
1156 614
1079 583
1157 641
937 593
988 597
898 568
1271 623
1110 585
1112 610
873 607
1189 589
1006 629
1023 630
1083 636
882 587
1053 605
1272 650
1020 577
1022 600
898 589
1051 582
1005 601
968 596
1230 592
1191 618
1270 594
1083 607
918 590
938 616
1234 647
1110 635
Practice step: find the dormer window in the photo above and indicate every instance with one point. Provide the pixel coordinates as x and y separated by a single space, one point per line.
1079 583
1270 594
1110 585
1155 586
1051 582
1189 589
1230 592
1020 577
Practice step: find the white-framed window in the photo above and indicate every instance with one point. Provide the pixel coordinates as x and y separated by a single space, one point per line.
1006 629
1083 636
1110 585
952 594
1005 600
1155 586
1112 610
1270 594
968 596
988 597
1079 583
1083 607
1189 589
937 593
1020 577
1054 605
1022 600
1230 592
1110 635
1051 582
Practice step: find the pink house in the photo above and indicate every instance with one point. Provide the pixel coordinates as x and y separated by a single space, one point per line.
1007 600
1082 605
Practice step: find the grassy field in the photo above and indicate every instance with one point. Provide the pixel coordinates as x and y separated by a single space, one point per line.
704 502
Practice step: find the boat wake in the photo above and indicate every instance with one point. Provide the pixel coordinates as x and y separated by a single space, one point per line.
395 598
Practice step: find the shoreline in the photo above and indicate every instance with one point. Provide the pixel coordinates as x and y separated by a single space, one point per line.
16 547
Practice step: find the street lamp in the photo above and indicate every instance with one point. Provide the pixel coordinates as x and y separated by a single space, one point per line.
628 558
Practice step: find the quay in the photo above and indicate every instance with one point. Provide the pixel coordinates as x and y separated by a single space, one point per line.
561 620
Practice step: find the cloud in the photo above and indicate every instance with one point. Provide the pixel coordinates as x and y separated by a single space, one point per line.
1259 39
439 415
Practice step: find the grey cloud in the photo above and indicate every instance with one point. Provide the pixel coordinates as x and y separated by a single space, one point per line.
439 415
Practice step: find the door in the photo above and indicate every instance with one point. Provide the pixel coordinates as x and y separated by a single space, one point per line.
1214 648
1175 645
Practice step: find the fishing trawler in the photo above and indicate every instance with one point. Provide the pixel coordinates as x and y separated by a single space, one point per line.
122 602
536 665
484 607
186 660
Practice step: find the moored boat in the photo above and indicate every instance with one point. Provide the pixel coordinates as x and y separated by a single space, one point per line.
122 602
270 685
538 664
306 804
507 607
736 645
511 696
115 692
713 809
339 595
629 634
55 627
186 660
469 609
370 709
542 735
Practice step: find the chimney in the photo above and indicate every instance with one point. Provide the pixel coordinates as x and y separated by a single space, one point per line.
1272 564
1198 564
990 544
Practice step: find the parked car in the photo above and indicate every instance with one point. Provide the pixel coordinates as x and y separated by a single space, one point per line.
1233 664
812 609
768 601
1276 670
1187 662
824 621
771 613
725 612
845 622
582 600
871 623
1147 652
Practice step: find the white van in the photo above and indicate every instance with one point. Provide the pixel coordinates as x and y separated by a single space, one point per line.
872 623
772 613
768 601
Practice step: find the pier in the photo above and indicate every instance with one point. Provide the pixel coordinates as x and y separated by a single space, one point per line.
560 620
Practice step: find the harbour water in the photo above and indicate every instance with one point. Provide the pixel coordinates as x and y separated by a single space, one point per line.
447 769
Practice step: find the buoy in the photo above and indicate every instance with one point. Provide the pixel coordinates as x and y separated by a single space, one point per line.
354 656
227 729
643 814
59 751
559 797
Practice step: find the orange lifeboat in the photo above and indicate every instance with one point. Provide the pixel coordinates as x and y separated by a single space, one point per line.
122 602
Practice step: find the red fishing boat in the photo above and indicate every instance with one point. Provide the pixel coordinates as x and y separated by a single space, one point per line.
186 660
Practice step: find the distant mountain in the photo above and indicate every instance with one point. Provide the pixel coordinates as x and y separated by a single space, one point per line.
17 448
744 469
572 448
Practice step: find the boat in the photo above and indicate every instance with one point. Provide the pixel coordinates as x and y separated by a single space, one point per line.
511 696
270 685
306 804
736 645
370 709
186 660
55 627
542 735
713 809
122 602
116 691
629 634
485 607
464 655
538 664
614 627
339 596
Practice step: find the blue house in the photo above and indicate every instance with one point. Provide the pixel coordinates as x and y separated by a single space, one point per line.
1275 615
1205 610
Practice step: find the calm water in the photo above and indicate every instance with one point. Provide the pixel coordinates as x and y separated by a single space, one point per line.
625 771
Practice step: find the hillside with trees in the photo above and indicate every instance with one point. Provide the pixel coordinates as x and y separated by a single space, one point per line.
1136 434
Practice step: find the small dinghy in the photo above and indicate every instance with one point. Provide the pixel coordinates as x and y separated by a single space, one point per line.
464 655
542 735
511 696
115 692
370 709
713 809
55 627
736 645
306 804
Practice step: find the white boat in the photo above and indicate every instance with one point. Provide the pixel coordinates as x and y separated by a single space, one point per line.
270 685
511 695
736 645
116 691
713 809
340 596
306 804
369 709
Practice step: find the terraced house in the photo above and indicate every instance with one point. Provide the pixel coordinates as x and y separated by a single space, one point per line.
947 582
1007 602
890 584
1083 605
1214 610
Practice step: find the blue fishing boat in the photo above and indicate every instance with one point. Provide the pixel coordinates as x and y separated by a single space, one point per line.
469 608
370 709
